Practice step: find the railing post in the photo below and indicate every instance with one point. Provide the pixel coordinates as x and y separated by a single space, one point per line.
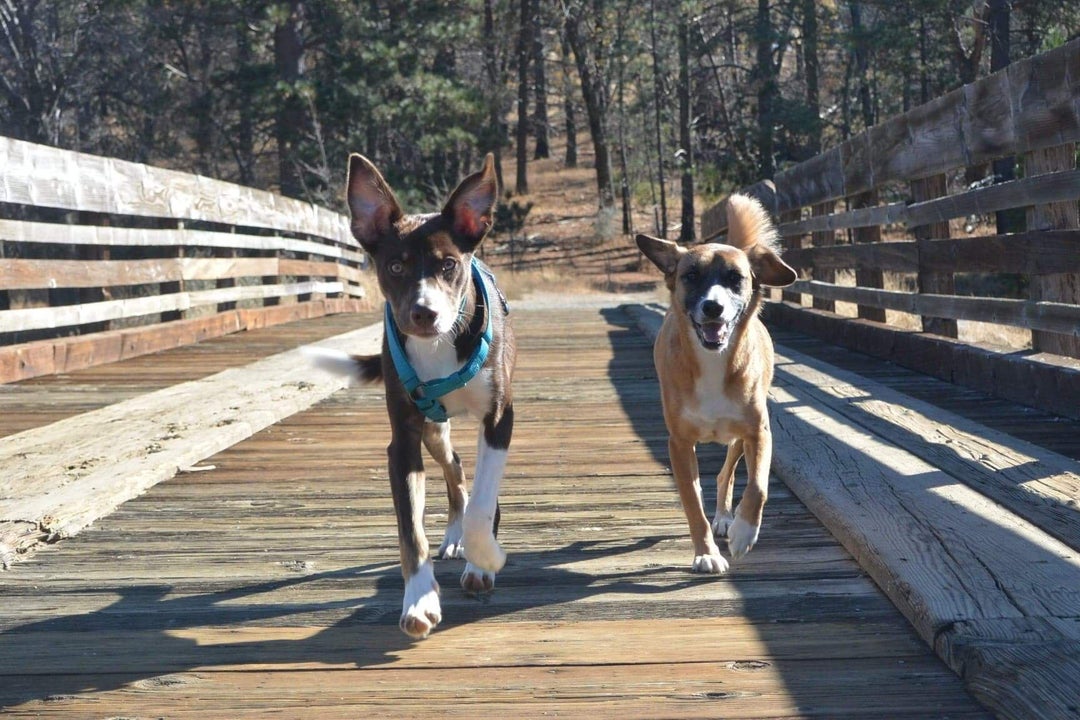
1057 287
790 243
868 277
823 238
939 283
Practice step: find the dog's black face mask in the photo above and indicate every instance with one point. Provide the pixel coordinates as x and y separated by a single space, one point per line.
715 288
422 261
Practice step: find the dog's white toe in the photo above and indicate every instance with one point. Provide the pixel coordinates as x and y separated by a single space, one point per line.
420 610
453 544
720 524
475 581
741 537
709 564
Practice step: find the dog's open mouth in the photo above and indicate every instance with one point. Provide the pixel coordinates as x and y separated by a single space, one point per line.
714 335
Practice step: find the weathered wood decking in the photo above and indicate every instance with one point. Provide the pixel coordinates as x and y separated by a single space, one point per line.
269 584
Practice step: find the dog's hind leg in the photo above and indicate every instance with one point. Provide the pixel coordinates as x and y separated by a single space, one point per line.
420 608
725 487
482 550
684 466
743 533
437 441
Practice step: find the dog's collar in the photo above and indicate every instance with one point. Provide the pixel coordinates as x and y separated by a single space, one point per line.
425 395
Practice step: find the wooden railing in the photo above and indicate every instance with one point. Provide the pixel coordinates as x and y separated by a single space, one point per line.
102 259
902 256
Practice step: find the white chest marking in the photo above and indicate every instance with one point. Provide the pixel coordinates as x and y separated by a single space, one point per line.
437 358
714 410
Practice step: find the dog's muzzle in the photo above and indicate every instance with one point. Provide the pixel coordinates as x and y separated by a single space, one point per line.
712 329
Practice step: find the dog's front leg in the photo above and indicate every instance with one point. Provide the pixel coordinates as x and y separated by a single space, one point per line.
481 548
743 532
684 466
437 441
420 609
725 486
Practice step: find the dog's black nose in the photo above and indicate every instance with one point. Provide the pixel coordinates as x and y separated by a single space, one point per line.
422 315
711 309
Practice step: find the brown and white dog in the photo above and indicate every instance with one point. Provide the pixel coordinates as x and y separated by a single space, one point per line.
714 359
440 310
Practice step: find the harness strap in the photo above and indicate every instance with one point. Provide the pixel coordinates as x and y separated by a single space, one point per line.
426 394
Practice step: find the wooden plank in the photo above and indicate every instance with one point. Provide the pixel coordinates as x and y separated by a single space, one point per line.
1038 380
270 584
70 315
1054 317
1031 253
1038 485
945 555
868 277
825 238
59 479
891 256
744 687
1057 286
930 281
17 273
112 236
45 176
1029 105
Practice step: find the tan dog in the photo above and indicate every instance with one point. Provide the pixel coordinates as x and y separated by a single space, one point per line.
715 362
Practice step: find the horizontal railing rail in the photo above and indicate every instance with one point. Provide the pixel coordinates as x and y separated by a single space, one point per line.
910 247
102 259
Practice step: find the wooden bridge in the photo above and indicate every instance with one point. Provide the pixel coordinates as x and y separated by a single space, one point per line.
204 529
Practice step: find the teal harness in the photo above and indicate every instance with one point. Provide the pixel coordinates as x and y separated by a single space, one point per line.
425 395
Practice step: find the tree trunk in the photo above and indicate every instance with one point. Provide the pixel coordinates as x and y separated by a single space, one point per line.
1004 168
495 129
540 113
289 60
569 113
811 67
767 90
686 140
524 43
596 106
624 171
656 125
862 65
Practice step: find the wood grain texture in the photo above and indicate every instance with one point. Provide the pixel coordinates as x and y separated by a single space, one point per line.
62 477
270 583
45 176
993 593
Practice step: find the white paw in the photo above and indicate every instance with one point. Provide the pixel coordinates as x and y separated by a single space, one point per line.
481 547
453 544
741 536
475 581
721 522
709 564
420 610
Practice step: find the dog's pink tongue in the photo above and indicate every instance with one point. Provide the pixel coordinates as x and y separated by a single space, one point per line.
713 332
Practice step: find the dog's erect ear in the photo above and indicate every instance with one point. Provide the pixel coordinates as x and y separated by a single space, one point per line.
471 207
768 268
372 204
664 254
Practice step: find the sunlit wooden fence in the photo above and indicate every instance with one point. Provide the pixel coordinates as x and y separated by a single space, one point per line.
102 259
905 254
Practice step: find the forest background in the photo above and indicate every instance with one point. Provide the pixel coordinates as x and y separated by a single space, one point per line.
671 103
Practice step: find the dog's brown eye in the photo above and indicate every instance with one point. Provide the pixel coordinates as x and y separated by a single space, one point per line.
396 267
691 276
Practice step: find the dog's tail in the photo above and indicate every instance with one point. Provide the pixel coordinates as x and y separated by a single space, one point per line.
357 368
749 224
